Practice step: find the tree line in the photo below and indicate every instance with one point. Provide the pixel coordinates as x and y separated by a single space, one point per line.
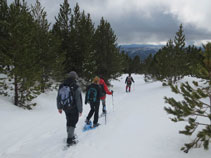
170 64
174 61
34 53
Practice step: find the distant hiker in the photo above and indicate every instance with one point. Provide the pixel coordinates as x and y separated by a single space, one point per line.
104 91
93 94
128 82
69 100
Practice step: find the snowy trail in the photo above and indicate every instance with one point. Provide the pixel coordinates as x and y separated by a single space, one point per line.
138 127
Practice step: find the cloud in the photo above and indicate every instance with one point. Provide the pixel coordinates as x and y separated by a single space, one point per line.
192 12
145 21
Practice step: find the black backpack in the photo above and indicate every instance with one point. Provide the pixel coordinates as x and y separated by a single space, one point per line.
102 89
65 96
92 94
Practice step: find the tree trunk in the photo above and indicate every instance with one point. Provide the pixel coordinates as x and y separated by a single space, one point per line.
16 92
210 107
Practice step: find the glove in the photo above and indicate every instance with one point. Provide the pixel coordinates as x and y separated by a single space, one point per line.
112 91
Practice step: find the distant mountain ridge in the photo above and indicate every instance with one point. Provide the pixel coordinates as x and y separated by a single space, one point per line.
141 50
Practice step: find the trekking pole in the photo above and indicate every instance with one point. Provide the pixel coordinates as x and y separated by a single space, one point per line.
105 114
105 118
113 101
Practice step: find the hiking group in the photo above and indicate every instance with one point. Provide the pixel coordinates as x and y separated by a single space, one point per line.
69 100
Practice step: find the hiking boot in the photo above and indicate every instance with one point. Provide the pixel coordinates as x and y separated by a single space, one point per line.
74 137
95 125
104 112
88 122
71 141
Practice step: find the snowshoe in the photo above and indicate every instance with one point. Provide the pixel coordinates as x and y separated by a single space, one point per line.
87 126
95 125
90 127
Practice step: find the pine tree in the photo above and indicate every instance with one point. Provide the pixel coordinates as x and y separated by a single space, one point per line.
194 107
169 64
82 33
61 31
179 39
21 59
180 56
45 56
4 36
194 58
166 63
162 65
89 62
3 27
63 20
126 62
47 45
108 58
135 65
147 68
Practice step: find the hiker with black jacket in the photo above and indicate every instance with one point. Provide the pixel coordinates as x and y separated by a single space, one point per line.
69 100
128 82
93 94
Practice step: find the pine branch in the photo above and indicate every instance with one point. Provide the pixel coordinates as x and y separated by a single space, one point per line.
194 114
203 124
208 106
190 145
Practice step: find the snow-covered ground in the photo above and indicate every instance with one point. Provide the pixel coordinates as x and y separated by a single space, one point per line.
137 127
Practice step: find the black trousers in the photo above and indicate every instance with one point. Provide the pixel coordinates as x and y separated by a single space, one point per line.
72 117
94 110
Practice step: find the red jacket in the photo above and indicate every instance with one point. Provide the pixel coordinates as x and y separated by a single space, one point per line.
106 89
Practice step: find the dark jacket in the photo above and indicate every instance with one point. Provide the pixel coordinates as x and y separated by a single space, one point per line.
129 80
97 87
77 98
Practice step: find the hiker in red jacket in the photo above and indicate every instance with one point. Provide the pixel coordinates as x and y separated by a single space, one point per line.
104 91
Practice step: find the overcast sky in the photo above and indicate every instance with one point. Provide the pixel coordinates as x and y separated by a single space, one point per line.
145 21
